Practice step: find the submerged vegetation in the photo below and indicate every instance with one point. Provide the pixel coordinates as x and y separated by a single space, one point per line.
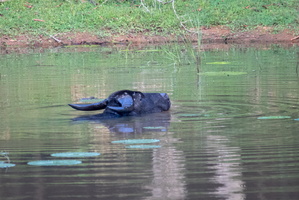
147 16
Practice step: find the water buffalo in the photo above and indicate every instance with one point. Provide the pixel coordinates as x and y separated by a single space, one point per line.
128 103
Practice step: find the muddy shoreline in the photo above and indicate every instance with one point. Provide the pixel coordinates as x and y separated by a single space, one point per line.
214 37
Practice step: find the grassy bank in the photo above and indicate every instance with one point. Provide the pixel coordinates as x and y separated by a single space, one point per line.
147 16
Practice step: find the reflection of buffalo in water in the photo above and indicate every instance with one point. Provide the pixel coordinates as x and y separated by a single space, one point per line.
154 122
128 103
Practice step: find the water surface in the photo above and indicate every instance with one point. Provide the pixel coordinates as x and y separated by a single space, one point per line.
211 143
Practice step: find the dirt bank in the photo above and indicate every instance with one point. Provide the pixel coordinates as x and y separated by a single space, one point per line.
213 36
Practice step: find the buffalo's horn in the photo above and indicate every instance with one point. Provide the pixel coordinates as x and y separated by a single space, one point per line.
90 107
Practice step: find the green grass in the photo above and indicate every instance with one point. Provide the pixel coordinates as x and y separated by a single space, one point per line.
121 16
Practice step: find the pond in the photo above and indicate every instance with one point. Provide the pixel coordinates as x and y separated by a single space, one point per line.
231 133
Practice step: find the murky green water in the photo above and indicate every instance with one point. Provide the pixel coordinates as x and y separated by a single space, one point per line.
212 144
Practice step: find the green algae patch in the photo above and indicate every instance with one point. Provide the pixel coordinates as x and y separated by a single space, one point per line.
54 162
75 154
274 117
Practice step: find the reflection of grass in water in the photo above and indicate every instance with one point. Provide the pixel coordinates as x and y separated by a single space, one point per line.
184 52
222 73
5 155
4 164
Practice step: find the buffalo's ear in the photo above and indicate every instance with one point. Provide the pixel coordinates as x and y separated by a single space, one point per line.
90 107
138 96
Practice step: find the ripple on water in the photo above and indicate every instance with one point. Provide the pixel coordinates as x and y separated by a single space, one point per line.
225 109
212 110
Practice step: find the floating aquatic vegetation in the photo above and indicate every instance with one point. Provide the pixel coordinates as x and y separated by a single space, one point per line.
274 117
222 73
143 146
218 63
54 162
6 165
154 127
75 154
135 141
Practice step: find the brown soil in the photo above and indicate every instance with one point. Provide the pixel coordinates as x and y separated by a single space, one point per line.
213 36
